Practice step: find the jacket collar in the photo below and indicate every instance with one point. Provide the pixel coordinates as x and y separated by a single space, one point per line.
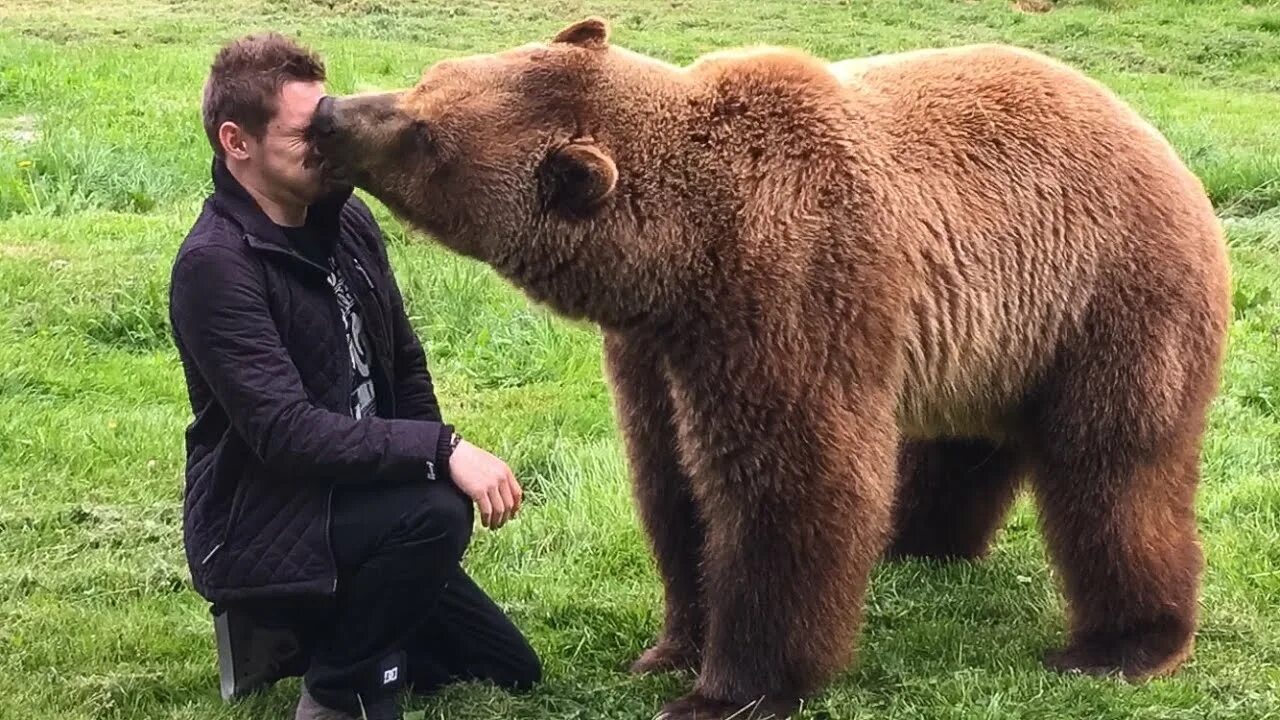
234 201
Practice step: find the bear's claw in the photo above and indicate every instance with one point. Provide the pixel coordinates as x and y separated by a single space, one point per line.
1133 662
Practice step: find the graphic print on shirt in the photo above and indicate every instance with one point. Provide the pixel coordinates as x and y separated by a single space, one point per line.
362 398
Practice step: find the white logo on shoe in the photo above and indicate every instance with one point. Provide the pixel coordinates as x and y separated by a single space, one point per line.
390 676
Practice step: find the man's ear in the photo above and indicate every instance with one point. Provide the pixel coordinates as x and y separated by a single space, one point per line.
577 177
590 33
234 140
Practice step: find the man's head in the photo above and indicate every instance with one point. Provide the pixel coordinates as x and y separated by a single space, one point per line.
261 93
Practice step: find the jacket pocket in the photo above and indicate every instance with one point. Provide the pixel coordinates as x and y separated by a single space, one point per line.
233 515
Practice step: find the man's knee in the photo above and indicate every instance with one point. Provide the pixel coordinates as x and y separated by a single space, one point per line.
441 513
530 671
523 671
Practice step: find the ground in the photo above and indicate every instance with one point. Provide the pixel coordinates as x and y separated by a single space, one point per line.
102 168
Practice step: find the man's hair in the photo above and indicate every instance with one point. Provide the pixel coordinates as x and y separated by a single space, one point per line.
246 78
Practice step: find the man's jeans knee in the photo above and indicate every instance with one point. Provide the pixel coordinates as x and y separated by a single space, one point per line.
440 511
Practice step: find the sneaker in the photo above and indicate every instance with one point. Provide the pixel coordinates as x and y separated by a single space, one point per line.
310 709
384 708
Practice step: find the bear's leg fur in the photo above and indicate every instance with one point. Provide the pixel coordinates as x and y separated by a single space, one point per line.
1130 561
664 498
952 496
801 518
1119 429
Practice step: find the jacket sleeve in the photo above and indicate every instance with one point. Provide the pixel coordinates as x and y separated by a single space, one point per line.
221 316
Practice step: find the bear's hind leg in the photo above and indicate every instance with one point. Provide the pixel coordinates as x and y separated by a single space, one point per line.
952 496
1117 451
664 499
1124 539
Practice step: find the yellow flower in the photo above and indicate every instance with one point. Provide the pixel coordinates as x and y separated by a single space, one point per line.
25 164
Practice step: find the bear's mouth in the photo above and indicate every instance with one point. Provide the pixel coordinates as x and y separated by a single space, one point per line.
317 160
313 159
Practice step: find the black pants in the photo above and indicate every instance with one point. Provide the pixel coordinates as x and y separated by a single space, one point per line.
405 611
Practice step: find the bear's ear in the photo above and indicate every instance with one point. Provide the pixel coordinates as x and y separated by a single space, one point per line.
577 177
590 33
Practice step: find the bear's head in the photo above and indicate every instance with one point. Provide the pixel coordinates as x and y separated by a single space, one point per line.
538 161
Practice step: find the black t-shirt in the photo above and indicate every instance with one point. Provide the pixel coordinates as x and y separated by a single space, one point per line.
362 392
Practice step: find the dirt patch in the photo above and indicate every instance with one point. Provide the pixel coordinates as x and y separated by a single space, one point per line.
21 129
14 251
1033 6
20 252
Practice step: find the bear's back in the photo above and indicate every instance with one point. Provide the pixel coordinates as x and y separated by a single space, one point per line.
1025 189
989 194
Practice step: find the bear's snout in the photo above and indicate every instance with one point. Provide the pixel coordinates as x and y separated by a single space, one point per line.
322 127
322 122
348 133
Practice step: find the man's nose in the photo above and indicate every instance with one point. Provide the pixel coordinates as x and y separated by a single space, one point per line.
322 122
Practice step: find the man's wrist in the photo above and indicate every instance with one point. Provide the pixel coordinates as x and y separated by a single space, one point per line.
444 450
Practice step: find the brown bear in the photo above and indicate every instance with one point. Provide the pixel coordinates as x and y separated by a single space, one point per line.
847 308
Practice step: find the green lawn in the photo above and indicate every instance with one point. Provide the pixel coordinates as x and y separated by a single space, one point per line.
103 165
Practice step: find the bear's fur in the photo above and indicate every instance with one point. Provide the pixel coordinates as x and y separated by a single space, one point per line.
847 308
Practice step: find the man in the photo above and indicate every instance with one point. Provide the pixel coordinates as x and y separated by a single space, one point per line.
323 488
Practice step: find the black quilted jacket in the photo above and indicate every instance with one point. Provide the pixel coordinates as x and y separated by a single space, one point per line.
269 378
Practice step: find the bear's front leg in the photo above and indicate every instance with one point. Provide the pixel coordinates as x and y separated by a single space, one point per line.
799 515
642 400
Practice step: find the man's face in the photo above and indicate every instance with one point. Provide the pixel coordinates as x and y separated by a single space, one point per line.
279 156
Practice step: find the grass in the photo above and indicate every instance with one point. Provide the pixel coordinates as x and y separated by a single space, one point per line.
103 166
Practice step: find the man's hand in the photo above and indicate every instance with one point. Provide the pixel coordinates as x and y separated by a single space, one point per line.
488 482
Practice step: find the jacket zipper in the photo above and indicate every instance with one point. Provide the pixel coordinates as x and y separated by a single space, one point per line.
328 510
212 552
328 539
328 506
263 247
373 307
